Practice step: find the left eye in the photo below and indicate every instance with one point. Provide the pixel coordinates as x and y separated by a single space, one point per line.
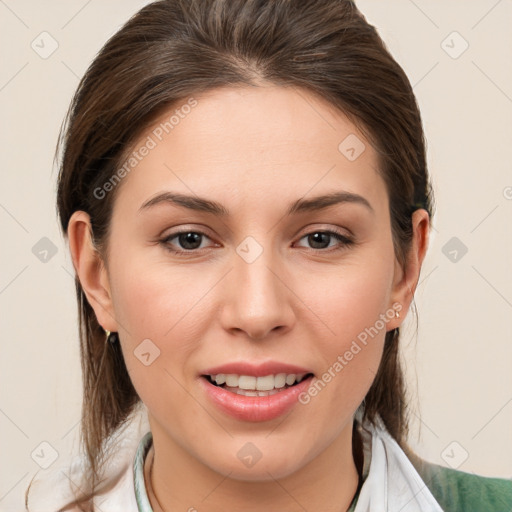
318 237
190 241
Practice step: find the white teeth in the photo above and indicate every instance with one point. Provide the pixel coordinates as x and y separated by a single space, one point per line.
280 380
232 381
265 383
247 392
290 379
258 384
247 382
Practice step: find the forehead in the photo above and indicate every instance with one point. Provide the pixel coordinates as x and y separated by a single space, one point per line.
252 143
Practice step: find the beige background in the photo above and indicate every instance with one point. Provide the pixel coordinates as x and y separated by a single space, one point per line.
460 361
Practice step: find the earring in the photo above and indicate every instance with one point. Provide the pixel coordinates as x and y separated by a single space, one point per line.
397 314
111 337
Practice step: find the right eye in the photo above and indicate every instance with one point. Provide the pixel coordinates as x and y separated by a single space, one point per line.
190 241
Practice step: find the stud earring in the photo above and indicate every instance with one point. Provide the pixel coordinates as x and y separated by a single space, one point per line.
111 337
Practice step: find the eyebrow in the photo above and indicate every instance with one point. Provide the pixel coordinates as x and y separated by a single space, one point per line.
301 205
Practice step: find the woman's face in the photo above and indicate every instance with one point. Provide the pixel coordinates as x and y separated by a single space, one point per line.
261 285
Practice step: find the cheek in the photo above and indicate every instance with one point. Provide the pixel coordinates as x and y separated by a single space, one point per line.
353 298
354 310
150 302
154 311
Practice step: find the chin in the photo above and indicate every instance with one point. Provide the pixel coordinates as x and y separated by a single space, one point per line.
251 464
260 472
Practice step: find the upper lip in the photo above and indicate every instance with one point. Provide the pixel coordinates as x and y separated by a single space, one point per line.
256 370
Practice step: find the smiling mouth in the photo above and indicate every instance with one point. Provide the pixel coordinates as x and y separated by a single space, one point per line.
249 385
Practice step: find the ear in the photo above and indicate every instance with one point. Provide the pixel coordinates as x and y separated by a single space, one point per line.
91 270
406 280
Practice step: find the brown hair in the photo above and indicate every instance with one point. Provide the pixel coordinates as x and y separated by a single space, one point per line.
172 49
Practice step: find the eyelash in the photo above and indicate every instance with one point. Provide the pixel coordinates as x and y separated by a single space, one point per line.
346 242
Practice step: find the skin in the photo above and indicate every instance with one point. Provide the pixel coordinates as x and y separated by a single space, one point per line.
255 150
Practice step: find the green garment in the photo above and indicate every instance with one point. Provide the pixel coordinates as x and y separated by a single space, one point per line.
458 491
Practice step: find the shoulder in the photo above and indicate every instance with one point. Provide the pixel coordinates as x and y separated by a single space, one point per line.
458 491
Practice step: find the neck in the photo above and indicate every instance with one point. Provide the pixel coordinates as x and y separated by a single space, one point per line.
328 483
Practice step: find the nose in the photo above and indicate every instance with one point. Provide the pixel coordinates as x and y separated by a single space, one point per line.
258 300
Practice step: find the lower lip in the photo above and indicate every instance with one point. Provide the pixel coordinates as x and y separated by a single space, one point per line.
255 408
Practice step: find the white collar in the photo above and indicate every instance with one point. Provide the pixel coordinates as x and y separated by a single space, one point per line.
392 483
